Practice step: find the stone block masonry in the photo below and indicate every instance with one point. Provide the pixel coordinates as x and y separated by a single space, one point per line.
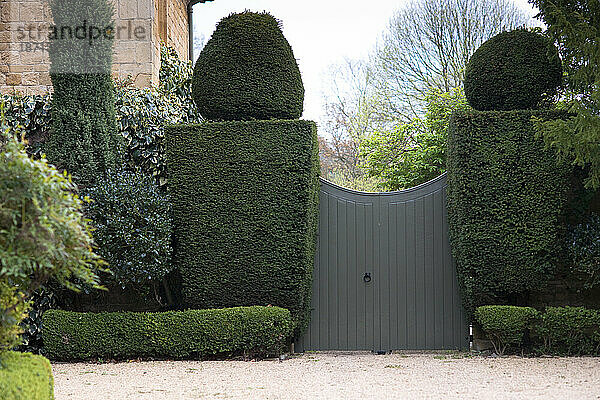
140 27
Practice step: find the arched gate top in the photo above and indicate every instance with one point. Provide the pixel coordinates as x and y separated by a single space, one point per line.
418 191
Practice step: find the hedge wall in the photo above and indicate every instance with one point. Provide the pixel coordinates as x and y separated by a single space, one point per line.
245 206
174 334
506 199
24 376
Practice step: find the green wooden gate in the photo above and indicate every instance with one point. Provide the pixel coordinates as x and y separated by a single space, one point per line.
384 277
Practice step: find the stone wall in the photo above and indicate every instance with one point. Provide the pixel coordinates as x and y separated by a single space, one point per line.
24 27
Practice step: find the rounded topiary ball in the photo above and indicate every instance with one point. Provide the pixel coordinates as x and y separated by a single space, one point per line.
513 70
246 71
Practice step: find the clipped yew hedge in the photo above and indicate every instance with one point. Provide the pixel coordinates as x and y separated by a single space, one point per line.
24 376
247 71
513 70
250 331
564 331
245 207
506 198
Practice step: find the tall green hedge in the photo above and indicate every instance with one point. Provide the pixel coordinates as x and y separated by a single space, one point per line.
174 334
24 376
506 198
84 138
245 206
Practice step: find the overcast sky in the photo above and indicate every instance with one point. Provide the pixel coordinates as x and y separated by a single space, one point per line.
321 33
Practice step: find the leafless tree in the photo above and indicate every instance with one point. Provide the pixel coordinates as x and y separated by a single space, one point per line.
427 45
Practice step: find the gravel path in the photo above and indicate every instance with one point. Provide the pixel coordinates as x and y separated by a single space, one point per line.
336 376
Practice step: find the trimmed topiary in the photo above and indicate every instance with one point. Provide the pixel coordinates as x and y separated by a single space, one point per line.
246 71
505 325
506 200
24 376
245 200
249 331
512 71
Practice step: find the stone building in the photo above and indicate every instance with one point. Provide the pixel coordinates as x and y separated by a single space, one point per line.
140 27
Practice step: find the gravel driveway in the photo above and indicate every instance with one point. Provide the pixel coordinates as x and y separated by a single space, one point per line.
336 376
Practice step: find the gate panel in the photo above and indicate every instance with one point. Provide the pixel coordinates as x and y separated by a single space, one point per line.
401 240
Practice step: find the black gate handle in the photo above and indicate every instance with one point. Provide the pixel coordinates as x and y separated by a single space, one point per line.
367 277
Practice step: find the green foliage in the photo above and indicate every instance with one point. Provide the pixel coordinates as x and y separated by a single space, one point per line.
569 331
175 74
512 71
143 113
132 227
583 243
29 113
575 26
247 70
41 301
84 138
43 233
248 331
13 308
506 198
245 205
505 325
415 152
24 376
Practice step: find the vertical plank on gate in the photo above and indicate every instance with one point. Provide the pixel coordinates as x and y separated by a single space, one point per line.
383 278
342 275
371 260
332 312
438 263
394 271
352 274
429 271
411 281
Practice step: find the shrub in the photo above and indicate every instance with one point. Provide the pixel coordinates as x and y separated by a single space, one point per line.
13 307
31 114
247 70
245 209
506 198
245 331
83 139
132 227
24 376
44 234
505 325
584 248
42 300
570 331
143 113
512 70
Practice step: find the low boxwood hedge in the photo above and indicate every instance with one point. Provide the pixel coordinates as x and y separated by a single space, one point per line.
248 331
24 376
505 325
572 331
569 331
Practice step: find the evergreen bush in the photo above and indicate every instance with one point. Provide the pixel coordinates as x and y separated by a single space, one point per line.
83 139
505 325
24 376
507 197
247 70
132 228
512 71
248 331
245 207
